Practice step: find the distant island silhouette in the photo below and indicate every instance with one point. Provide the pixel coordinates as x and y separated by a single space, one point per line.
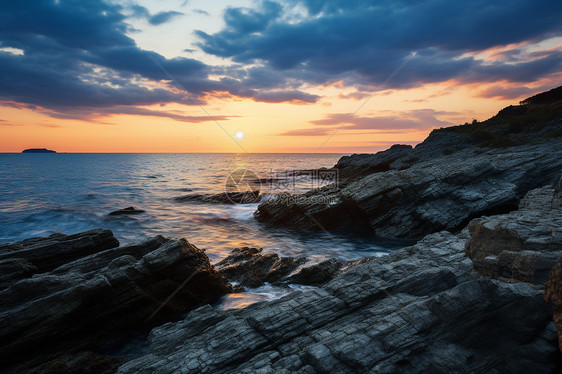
38 150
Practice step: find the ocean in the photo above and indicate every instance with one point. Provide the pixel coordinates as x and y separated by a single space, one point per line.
42 194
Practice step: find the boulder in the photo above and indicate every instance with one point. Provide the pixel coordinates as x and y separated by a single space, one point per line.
98 297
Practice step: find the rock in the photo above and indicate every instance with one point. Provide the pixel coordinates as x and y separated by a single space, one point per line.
443 193
412 311
244 197
251 268
553 295
317 274
29 256
455 175
83 362
96 296
126 211
523 245
357 165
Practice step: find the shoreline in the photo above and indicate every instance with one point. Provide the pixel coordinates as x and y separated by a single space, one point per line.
479 291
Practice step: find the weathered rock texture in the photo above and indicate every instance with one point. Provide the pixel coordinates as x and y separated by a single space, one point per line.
23 259
442 193
252 268
455 175
87 295
523 245
244 197
553 294
414 310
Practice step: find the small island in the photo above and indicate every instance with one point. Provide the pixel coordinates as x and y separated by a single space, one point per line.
38 150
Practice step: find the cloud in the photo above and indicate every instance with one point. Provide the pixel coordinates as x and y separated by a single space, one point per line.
163 17
420 119
6 123
415 119
157 113
138 11
76 54
201 12
285 96
363 43
307 132
506 93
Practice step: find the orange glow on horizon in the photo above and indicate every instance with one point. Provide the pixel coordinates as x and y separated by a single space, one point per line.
261 123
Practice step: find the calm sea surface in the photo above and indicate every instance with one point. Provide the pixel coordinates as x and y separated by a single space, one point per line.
41 194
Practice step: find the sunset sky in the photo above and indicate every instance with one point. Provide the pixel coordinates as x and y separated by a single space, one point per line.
285 75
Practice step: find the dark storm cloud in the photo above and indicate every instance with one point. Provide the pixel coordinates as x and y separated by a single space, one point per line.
366 41
76 54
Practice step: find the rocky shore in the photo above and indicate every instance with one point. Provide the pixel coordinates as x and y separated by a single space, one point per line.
479 292
474 301
455 175
425 308
77 293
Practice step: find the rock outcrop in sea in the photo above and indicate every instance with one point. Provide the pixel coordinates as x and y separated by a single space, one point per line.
455 175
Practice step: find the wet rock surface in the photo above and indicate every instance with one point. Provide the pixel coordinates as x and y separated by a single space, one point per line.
251 267
243 197
74 294
126 211
415 310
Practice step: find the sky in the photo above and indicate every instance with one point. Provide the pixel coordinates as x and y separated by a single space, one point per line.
343 76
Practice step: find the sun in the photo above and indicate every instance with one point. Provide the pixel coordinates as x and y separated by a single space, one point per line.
239 134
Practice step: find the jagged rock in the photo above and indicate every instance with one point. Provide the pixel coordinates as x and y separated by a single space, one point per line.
317 274
23 259
244 197
523 245
412 311
442 193
126 211
456 174
91 300
358 165
251 268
